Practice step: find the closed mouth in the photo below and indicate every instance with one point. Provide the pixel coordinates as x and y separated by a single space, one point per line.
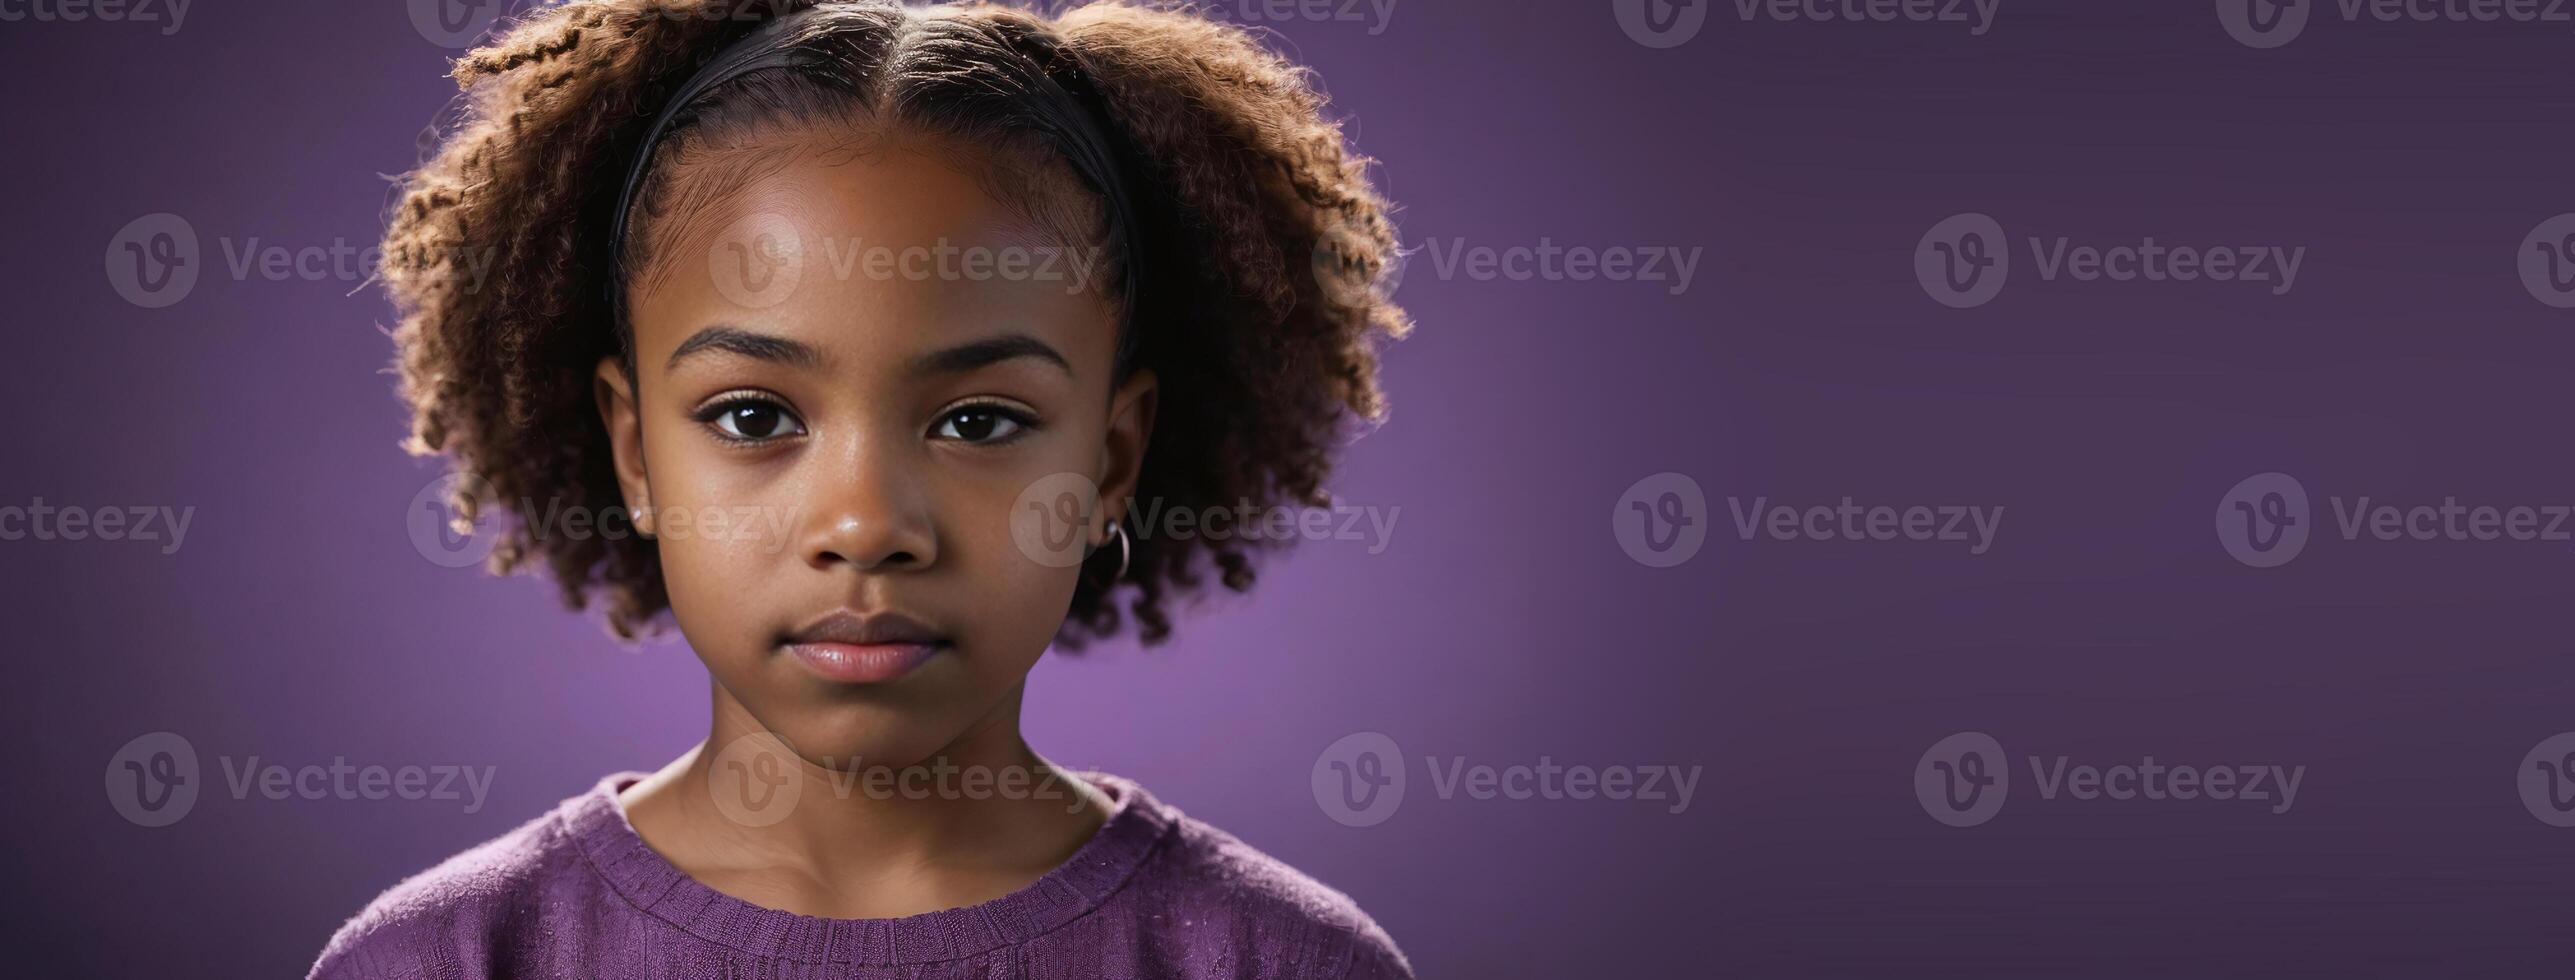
849 648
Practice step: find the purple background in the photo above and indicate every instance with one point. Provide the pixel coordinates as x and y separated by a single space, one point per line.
1504 622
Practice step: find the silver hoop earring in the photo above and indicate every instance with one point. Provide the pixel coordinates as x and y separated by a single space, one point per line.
1126 551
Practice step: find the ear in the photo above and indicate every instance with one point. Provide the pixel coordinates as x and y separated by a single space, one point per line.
616 397
1131 410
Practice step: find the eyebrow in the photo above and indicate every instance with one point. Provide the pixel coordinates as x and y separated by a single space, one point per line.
982 353
757 346
954 360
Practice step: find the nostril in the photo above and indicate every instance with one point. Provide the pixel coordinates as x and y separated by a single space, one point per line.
886 544
841 556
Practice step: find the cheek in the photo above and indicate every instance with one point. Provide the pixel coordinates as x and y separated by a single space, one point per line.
721 540
1016 599
1007 538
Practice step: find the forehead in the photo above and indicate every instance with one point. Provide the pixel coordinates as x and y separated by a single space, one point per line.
849 175
887 242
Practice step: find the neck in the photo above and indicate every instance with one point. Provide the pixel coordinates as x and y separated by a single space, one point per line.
863 843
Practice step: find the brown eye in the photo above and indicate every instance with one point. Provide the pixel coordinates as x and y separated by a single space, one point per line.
980 424
752 420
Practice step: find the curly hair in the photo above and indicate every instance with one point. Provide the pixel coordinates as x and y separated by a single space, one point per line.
1269 248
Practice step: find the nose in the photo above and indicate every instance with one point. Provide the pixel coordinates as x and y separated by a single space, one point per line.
871 514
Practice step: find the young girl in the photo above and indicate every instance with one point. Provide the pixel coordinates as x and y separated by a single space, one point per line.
857 327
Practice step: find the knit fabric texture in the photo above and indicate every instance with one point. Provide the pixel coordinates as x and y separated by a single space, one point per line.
576 894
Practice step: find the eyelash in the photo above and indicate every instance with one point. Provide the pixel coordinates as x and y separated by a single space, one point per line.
715 409
708 414
1025 422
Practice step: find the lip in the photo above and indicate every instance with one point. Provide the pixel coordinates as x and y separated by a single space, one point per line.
849 648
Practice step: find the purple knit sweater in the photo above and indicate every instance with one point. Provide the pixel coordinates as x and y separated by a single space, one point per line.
575 894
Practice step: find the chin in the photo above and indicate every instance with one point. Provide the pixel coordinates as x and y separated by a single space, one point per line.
843 737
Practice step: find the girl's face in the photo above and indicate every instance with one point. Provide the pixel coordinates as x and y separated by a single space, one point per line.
850 369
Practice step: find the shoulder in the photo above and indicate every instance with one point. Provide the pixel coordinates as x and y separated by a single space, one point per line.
450 920
1224 891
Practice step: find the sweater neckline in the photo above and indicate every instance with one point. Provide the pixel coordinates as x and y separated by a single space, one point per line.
652 884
